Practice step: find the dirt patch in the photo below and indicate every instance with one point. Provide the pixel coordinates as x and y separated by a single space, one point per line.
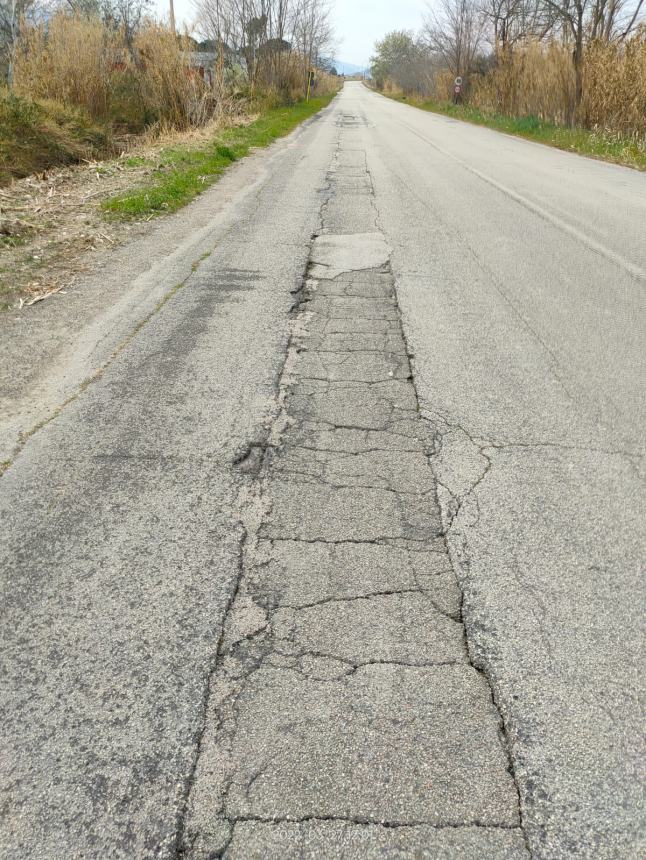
51 225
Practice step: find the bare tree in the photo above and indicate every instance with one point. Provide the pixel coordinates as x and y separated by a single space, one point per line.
127 15
614 19
514 21
257 34
455 32
312 31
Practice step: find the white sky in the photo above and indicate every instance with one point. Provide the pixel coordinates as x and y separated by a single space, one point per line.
358 23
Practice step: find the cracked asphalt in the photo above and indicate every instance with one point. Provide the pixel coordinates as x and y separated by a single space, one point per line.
336 549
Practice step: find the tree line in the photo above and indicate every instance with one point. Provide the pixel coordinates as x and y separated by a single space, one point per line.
472 38
268 35
268 43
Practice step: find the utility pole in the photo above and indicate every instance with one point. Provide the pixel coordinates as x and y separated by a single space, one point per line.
172 16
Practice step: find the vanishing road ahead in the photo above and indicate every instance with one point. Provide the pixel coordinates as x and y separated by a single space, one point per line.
330 541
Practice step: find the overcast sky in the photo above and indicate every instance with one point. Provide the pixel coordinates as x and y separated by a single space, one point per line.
358 23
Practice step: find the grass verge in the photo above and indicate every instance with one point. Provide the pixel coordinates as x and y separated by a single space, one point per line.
183 172
595 144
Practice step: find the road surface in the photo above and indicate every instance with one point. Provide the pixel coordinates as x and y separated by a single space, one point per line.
324 535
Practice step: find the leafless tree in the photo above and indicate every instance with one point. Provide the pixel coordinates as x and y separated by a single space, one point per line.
514 21
312 31
455 32
614 19
257 34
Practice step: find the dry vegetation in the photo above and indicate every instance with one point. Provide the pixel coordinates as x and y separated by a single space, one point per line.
88 78
108 121
580 65
52 223
614 94
79 61
538 80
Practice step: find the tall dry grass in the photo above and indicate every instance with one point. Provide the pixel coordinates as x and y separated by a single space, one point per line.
78 61
177 96
283 79
69 60
81 62
614 88
537 79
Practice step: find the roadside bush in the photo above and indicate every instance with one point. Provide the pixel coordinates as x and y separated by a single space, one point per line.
128 110
536 80
326 83
287 84
75 76
79 61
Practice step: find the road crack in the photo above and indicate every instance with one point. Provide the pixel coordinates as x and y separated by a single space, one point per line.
367 547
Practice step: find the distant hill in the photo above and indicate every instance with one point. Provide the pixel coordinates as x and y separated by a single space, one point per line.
347 68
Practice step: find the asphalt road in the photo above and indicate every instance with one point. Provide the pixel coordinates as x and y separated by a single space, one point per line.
521 273
120 534
229 559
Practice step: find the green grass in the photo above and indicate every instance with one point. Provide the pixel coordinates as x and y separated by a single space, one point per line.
185 171
12 241
605 146
134 161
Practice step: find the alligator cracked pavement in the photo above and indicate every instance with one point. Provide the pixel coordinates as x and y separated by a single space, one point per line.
322 527
344 715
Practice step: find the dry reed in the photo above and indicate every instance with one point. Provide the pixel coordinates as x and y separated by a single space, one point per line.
175 94
537 79
78 61
149 84
614 92
68 61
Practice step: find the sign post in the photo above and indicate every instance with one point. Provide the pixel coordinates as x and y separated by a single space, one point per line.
310 81
457 91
